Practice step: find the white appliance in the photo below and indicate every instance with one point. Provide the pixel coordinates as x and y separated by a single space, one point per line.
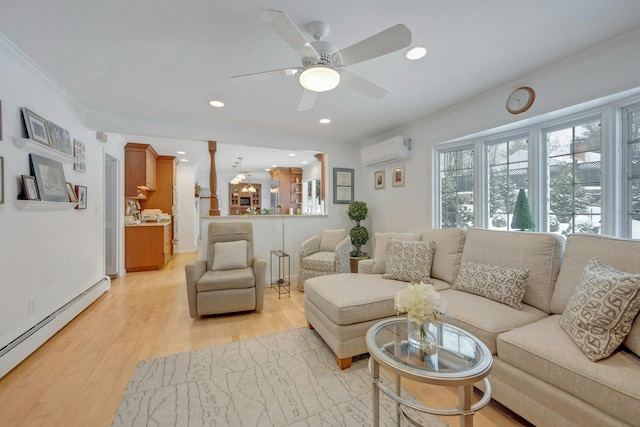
395 149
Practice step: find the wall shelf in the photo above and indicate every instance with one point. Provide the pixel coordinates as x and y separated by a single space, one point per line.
40 205
42 150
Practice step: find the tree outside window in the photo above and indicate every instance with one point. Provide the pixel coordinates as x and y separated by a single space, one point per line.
456 188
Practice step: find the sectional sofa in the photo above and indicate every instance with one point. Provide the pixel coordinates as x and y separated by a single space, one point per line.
543 368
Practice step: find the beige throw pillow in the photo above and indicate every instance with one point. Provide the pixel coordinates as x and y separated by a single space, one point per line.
331 238
409 260
229 255
380 252
502 284
601 311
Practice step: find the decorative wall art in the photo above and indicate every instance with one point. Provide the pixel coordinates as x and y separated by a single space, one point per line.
71 192
37 127
50 178
60 139
342 186
78 153
378 180
81 191
30 188
397 175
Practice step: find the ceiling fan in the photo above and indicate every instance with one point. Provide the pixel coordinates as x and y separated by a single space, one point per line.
323 65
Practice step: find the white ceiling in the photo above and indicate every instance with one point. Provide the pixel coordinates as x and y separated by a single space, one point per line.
162 60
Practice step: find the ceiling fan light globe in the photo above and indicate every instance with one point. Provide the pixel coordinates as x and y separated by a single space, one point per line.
319 79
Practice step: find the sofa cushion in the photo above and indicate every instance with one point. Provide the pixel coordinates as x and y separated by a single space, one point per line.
409 261
320 261
484 318
229 255
331 238
380 252
632 341
348 298
543 350
540 253
600 313
621 254
226 279
499 283
446 259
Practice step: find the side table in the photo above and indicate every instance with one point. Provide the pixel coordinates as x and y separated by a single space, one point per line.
282 284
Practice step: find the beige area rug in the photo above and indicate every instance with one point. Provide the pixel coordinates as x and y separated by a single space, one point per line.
286 379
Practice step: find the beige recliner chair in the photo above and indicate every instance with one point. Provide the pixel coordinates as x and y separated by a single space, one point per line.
326 253
230 279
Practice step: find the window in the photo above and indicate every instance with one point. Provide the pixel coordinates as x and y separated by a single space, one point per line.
456 188
508 163
633 175
311 197
574 181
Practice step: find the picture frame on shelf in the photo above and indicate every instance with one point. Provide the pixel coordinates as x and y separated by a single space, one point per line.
397 175
37 127
50 178
60 139
81 192
343 185
73 197
29 187
378 180
78 153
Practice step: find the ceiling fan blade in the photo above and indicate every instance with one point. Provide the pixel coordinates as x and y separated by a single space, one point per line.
284 72
280 22
362 86
384 42
307 100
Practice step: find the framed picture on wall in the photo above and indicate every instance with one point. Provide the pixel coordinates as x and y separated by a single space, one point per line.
397 175
37 127
50 178
60 139
342 185
81 192
78 153
73 198
378 180
30 188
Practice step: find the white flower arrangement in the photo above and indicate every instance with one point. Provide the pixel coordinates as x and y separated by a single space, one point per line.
421 302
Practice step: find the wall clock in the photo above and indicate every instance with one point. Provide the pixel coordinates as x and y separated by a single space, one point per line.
520 100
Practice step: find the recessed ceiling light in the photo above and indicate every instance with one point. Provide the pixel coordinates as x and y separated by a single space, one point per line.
325 121
215 103
267 169
415 52
181 152
304 163
292 155
184 160
274 166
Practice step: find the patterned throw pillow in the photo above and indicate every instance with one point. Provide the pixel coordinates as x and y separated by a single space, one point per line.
409 260
502 284
600 313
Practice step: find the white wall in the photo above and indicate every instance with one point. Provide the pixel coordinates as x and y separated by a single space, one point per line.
47 257
186 214
604 70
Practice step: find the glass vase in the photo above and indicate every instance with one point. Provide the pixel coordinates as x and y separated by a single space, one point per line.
422 336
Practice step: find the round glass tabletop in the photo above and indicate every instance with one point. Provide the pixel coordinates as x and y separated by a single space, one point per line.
458 354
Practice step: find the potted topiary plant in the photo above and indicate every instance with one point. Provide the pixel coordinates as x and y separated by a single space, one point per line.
359 234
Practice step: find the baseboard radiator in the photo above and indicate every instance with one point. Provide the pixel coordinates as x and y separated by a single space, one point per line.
21 347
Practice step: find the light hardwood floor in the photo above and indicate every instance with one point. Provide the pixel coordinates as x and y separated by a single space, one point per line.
79 376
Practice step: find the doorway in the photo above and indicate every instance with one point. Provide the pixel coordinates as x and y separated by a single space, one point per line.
111 216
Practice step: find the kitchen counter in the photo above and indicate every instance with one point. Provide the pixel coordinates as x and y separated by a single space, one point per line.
147 245
148 224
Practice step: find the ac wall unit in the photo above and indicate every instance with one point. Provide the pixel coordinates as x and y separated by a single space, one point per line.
392 150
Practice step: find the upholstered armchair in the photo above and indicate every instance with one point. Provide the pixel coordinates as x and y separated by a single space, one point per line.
230 279
326 253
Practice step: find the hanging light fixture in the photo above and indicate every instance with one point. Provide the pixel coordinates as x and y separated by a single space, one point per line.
249 188
319 78
240 176
235 179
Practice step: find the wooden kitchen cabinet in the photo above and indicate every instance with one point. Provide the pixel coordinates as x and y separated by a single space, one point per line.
139 168
289 188
239 202
147 247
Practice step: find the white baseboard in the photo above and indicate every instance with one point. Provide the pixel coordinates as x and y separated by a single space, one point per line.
19 349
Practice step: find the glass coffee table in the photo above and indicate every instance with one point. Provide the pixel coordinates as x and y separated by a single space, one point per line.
460 359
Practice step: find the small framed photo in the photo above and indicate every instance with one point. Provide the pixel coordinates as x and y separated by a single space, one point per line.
398 176
78 153
37 127
60 139
81 192
50 178
73 198
378 180
29 187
